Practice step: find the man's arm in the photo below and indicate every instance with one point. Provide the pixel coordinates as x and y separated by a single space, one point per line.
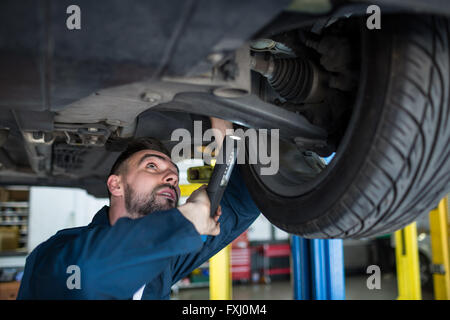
114 262
238 213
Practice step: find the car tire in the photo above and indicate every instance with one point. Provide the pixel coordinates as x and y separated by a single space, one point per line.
392 164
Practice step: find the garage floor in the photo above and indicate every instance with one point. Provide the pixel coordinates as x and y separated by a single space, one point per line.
355 290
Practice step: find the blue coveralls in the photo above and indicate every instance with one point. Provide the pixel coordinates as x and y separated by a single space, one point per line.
116 261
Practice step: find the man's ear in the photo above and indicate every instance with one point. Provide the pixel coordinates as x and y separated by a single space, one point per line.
114 184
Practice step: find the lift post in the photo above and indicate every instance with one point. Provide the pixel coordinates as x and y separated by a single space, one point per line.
187 189
407 258
318 269
220 282
439 231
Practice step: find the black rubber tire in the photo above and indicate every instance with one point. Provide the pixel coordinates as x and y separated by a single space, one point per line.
393 162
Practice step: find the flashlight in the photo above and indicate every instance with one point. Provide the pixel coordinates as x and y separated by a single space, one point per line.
222 171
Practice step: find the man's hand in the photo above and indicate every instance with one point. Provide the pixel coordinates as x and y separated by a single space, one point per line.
197 207
220 125
197 210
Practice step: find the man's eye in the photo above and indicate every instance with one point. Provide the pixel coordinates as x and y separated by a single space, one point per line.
151 165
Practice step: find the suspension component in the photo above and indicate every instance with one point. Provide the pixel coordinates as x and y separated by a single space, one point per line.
296 80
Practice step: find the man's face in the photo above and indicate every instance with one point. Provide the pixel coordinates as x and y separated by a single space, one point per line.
150 183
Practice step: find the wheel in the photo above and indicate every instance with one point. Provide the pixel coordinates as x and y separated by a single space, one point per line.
392 163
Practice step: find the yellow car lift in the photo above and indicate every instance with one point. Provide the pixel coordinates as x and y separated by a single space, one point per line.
439 230
220 283
407 258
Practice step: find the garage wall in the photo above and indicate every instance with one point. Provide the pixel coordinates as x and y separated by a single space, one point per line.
53 209
263 230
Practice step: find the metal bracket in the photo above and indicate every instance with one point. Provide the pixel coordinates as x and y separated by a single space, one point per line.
94 134
438 269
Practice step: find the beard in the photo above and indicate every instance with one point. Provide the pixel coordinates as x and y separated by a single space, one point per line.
141 204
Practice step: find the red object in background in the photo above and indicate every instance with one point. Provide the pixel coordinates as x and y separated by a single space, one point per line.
241 241
275 271
276 250
241 258
275 260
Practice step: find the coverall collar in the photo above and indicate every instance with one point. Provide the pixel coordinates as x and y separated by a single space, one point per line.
101 217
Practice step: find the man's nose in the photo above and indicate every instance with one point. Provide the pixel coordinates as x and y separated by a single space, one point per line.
171 177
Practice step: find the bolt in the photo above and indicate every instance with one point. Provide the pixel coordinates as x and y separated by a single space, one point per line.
48 137
150 97
262 44
37 135
92 129
215 57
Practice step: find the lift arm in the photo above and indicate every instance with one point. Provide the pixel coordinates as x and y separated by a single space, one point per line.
439 230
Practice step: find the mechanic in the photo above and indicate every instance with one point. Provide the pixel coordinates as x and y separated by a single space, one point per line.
143 240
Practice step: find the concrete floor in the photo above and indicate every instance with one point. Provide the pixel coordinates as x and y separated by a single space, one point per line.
356 289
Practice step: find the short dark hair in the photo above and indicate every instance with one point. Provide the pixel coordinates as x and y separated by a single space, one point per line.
136 145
